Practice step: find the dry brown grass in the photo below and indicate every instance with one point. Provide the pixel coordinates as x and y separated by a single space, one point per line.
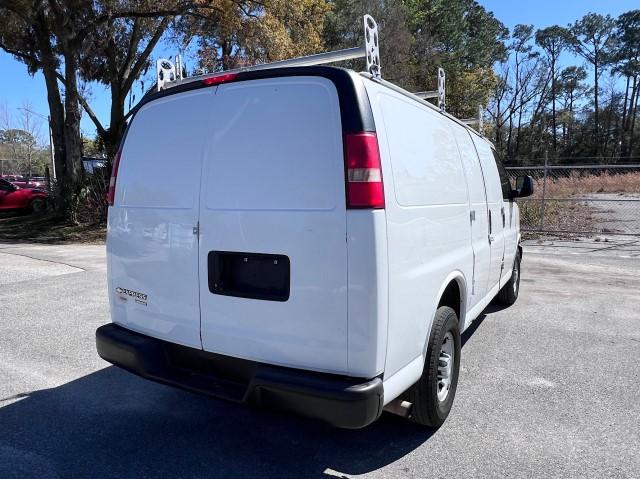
562 214
577 184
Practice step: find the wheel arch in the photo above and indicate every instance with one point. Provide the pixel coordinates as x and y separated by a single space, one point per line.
452 293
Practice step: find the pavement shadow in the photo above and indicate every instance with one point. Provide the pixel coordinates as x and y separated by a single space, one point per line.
112 424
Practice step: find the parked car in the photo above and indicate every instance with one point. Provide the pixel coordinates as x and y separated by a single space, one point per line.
13 197
324 242
94 165
26 182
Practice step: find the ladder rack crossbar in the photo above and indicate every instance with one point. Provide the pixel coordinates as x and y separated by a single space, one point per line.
309 60
427 94
316 59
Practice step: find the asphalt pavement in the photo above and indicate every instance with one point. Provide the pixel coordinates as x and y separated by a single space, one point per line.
549 388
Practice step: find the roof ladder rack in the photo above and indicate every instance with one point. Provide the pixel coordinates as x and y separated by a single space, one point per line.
440 93
477 121
169 74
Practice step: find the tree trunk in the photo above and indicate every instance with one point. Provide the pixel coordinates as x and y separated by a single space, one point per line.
596 129
607 131
626 126
570 126
633 114
56 110
117 123
553 106
73 141
510 132
517 148
56 122
623 129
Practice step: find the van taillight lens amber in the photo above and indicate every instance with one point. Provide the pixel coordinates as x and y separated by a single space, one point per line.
364 184
111 192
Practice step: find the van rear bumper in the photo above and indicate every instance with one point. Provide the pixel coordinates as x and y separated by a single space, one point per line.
339 400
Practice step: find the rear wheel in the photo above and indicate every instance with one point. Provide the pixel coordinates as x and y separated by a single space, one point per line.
509 292
432 396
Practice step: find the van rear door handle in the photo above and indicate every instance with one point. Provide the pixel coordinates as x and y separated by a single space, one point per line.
491 239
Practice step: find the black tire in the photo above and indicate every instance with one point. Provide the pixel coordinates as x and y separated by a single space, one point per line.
509 292
37 205
427 409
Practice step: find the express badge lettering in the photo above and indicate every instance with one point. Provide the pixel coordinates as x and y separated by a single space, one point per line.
139 298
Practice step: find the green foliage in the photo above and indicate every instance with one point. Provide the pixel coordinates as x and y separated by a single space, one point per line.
418 36
553 40
232 33
93 147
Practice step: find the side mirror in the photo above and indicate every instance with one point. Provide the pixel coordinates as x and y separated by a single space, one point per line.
524 187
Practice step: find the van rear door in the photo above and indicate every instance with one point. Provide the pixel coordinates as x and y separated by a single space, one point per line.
273 266
153 251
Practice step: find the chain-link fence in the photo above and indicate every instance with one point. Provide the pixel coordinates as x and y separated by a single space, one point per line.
582 200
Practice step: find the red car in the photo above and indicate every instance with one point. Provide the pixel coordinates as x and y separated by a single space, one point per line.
25 182
13 197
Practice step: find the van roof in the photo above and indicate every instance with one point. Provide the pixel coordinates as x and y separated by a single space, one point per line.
355 110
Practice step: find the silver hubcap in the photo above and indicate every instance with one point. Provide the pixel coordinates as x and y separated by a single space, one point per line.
445 367
516 277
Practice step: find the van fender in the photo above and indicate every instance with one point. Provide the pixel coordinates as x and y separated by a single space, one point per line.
459 277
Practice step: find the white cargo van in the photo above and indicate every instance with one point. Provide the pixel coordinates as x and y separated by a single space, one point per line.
305 238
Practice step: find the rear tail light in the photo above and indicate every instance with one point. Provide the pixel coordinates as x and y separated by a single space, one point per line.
111 193
217 79
363 172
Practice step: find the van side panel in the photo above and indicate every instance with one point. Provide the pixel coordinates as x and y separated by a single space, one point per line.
273 184
151 244
427 212
368 291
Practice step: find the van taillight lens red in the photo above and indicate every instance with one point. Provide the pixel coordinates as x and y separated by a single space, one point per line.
111 193
217 79
363 171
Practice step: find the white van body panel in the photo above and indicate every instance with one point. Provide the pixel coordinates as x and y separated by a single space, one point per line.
273 182
425 195
258 166
151 245
495 204
479 217
368 291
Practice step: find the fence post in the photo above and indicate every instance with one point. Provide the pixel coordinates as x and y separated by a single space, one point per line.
544 189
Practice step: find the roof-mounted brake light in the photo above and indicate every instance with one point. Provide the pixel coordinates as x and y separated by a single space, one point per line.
217 79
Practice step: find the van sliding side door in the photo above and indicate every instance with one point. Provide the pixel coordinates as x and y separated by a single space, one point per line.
495 211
